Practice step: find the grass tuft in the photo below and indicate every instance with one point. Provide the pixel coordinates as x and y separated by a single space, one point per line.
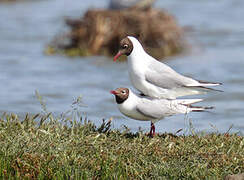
48 147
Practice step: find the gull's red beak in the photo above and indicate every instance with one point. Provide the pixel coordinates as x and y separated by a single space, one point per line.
117 56
113 92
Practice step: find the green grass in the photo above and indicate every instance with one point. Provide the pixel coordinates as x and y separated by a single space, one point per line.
48 147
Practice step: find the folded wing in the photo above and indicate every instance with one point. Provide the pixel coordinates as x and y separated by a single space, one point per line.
165 77
157 109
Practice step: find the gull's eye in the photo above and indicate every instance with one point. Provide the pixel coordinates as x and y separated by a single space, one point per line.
125 46
123 92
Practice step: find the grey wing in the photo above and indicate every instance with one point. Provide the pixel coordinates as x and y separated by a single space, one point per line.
155 109
163 76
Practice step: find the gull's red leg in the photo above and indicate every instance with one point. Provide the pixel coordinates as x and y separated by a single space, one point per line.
152 130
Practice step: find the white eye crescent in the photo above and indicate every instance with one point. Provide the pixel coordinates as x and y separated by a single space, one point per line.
125 46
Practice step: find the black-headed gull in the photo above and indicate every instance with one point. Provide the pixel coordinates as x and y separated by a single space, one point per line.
151 109
154 78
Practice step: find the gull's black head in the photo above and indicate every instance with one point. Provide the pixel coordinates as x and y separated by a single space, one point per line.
125 48
121 94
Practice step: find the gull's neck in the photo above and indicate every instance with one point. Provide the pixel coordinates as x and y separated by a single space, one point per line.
130 101
138 53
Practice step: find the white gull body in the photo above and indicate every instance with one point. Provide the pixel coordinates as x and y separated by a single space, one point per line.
149 109
156 79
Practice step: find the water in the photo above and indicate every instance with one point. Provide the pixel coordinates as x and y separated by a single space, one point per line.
216 34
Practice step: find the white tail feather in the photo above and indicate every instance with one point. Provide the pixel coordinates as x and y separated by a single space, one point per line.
209 84
186 105
203 83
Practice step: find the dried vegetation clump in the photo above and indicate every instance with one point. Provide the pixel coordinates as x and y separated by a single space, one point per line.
99 32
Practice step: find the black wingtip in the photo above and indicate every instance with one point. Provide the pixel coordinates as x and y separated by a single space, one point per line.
201 108
205 82
212 89
205 88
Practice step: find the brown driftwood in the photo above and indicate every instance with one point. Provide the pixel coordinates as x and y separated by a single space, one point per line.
99 31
